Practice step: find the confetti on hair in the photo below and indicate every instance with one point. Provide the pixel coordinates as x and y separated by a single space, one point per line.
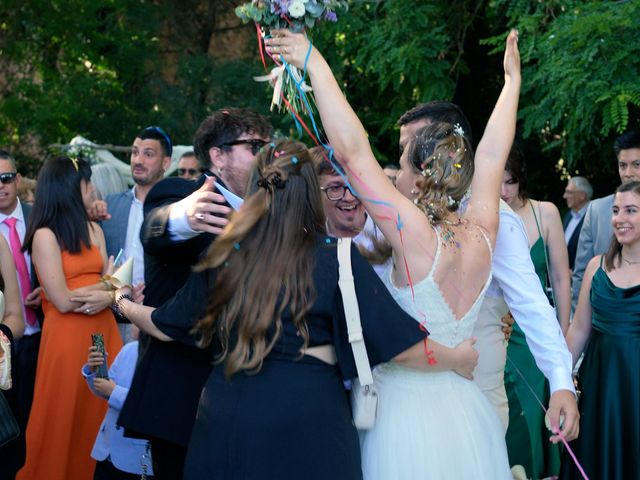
294 160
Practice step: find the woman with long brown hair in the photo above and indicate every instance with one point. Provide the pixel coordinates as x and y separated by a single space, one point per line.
606 327
275 404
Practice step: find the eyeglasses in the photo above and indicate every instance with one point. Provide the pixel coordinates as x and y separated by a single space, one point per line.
335 193
7 178
256 144
190 171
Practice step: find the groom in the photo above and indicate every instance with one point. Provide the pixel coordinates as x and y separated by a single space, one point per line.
514 287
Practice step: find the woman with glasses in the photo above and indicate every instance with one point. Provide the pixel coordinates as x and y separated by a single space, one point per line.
68 252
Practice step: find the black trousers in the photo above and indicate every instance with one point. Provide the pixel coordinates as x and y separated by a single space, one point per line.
20 398
105 470
168 459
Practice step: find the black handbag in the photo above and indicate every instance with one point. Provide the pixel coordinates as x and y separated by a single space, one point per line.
8 426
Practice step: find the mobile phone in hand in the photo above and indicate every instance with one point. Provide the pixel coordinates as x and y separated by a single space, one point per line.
97 340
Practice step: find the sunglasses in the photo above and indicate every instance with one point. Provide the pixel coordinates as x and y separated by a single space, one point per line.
255 143
7 178
190 171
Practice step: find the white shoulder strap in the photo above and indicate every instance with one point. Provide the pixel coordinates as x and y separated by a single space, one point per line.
352 312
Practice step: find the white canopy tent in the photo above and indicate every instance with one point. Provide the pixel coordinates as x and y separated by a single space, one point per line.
100 154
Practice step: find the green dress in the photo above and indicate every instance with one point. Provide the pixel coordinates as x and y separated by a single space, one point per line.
609 443
527 437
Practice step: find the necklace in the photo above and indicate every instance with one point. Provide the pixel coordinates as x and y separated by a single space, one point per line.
629 262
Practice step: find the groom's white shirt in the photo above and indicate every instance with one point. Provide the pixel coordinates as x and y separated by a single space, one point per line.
516 287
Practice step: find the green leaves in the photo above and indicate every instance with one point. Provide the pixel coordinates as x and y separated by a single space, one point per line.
581 61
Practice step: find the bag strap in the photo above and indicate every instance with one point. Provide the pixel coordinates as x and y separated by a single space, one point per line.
352 312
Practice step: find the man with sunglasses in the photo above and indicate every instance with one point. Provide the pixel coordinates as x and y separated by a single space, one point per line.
13 218
188 166
182 218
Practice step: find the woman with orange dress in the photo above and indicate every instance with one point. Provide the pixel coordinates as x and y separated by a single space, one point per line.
68 252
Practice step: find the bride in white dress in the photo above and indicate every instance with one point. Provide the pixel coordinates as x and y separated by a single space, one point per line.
432 425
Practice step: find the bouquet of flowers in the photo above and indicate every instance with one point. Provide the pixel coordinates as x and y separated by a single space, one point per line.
294 14
288 81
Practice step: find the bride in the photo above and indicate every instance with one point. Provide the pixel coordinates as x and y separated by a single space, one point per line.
429 425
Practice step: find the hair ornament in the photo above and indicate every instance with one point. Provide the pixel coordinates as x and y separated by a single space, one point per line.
457 166
75 163
271 182
294 160
458 131
450 201
236 246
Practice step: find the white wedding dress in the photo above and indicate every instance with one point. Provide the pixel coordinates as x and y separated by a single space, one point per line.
438 425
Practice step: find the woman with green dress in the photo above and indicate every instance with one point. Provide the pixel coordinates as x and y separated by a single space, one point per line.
527 436
608 317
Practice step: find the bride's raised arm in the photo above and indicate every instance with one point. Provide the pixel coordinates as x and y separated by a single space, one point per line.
349 140
493 149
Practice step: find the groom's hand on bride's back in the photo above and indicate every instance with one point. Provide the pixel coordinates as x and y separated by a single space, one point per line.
467 358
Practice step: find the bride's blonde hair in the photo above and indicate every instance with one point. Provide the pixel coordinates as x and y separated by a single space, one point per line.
444 157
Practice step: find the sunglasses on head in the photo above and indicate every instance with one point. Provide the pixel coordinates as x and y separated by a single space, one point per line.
190 171
256 144
8 177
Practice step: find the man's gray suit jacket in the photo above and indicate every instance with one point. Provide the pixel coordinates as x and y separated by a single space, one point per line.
115 229
595 238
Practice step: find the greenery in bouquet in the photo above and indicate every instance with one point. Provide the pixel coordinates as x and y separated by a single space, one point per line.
294 14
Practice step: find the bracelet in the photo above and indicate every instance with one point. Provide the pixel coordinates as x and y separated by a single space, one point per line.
107 284
117 307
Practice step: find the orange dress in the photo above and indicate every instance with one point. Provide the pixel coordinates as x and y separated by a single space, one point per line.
65 416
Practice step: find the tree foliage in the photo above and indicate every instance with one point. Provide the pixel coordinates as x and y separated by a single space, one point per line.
105 69
581 61
391 55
